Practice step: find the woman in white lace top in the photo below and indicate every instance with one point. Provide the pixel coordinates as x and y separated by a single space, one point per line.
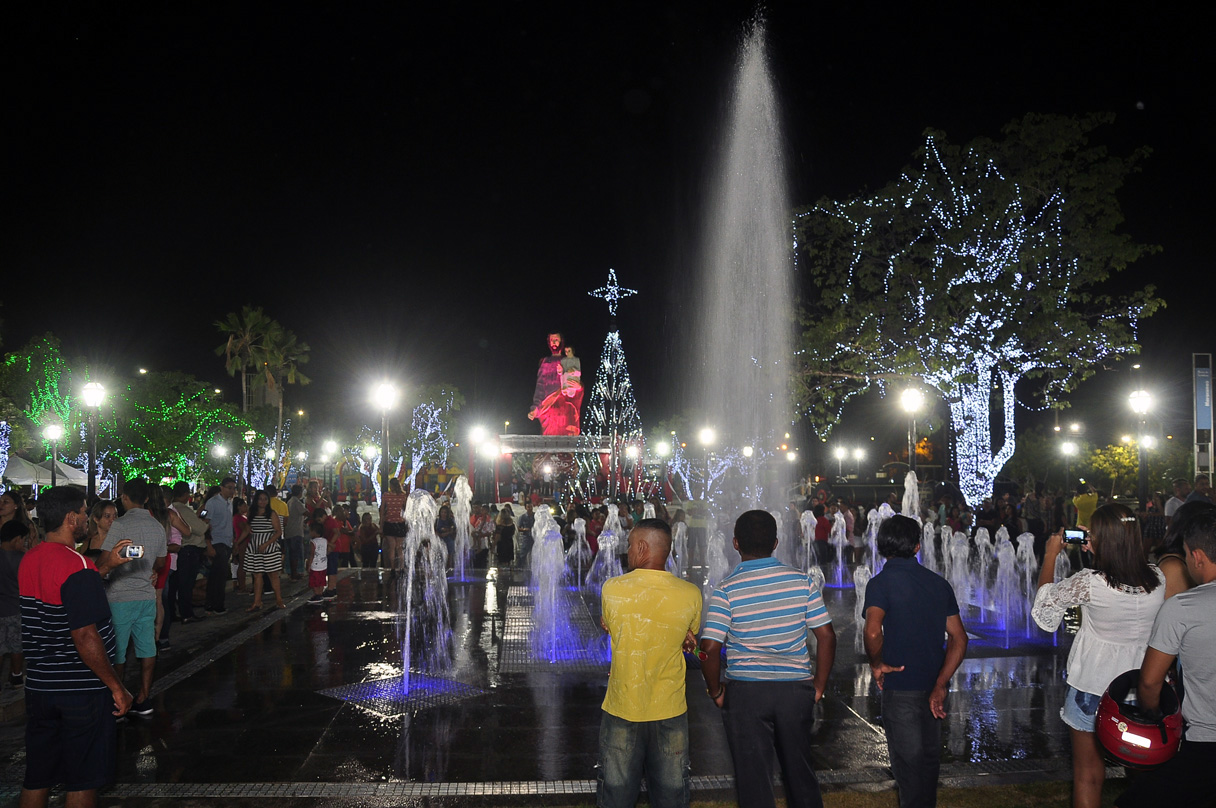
1119 598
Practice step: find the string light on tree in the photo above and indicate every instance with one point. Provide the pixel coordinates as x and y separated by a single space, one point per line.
963 279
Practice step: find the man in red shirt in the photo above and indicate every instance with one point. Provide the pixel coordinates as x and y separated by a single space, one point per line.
72 692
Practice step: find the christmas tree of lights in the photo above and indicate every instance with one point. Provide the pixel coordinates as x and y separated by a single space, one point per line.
961 279
5 432
613 412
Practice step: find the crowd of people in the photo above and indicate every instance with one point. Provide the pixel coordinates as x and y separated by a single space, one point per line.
82 589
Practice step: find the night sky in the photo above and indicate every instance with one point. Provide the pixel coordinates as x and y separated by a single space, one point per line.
425 193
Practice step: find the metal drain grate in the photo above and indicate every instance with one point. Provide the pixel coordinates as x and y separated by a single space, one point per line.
388 698
584 650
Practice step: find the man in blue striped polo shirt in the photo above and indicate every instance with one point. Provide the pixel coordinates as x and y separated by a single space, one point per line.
762 613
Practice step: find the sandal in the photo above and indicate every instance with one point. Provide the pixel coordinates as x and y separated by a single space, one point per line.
256 608
280 605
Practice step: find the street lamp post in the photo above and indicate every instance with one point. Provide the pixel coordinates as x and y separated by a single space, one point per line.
858 455
386 399
93 395
1141 402
53 432
840 452
1068 449
912 400
249 436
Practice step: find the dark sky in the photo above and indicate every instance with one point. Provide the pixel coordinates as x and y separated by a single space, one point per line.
425 193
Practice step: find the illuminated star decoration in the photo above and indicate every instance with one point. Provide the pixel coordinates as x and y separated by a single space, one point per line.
612 292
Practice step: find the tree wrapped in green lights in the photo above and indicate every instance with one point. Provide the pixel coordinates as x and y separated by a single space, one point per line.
976 270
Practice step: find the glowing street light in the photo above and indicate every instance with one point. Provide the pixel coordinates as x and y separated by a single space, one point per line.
1068 449
662 448
707 436
385 397
791 456
370 451
220 451
53 432
1141 402
631 452
748 451
94 394
477 435
912 400
840 453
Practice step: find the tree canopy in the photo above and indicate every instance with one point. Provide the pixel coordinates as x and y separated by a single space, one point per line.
979 268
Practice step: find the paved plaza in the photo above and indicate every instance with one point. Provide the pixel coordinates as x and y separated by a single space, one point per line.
307 703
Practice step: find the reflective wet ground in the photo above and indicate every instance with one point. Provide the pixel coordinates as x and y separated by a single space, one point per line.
313 695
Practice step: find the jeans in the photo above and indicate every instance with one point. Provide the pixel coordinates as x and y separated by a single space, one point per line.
914 742
629 749
168 598
217 579
189 562
295 555
767 720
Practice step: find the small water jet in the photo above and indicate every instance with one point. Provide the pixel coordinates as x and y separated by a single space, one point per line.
422 601
578 557
607 563
547 564
676 562
928 550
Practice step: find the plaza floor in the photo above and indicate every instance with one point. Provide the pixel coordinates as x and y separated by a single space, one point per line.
306 703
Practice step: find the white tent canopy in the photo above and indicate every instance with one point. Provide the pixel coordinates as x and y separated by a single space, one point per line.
23 472
65 474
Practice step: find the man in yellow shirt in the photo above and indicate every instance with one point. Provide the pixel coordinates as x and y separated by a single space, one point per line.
1086 502
644 727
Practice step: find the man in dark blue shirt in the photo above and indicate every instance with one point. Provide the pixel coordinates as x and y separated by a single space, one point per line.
908 610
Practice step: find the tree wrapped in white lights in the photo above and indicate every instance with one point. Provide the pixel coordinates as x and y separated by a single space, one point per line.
972 272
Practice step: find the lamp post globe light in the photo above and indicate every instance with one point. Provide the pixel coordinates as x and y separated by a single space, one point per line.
1068 449
912 400
94 394
53 432
385 397
840 454
1141 402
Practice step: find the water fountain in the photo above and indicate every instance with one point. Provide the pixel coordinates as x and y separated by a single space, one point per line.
786 551
462 507
806 524
1007 595
983 566
960 568
578 557
422 602
743 351
716 565
910 507
547 564
676 564
840 543
861 579
928 550
607 564
1029 566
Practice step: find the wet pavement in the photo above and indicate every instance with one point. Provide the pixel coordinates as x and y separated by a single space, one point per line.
306 703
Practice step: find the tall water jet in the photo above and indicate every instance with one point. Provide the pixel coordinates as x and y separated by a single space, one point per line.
786 552
928 552
806 523
745 344
462 507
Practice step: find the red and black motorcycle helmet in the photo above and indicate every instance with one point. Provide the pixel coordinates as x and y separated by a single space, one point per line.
1129 734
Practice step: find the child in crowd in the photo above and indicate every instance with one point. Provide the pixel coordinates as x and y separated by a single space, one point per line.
319 565
13 535
369 541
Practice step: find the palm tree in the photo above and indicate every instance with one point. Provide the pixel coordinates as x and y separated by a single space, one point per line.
247 333
281 355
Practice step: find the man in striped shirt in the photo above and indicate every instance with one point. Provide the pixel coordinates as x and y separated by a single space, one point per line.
72 692
762 613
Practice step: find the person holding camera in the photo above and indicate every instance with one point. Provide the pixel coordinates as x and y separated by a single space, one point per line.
130 589
1119 599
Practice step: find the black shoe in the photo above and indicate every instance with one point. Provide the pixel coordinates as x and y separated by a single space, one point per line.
141 708
330 595
16 679
216 611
